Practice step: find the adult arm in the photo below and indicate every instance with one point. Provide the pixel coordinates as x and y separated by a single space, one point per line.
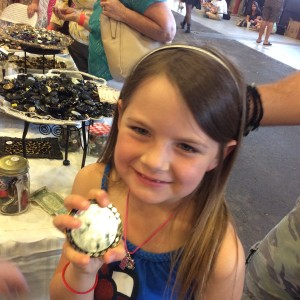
71 14
157 22
32 8
56 22
281 101
214 8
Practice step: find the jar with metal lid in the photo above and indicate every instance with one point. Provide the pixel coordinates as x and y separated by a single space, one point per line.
14 184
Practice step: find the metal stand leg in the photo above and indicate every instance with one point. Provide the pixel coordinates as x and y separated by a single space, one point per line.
85 144
43 64
25 130
66 162
25 58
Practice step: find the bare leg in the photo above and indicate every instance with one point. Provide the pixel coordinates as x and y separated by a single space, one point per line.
261 31
269 30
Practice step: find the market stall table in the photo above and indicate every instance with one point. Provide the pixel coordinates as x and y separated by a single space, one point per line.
30 239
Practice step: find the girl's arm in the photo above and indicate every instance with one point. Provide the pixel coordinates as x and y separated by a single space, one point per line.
157 22
227 280
77 278
80 274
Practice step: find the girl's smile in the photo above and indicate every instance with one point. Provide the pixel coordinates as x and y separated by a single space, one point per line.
161 152
151 181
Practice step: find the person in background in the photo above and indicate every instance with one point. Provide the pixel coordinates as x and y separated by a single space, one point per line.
166 174
189 5
12 281
43 8
77 17
271 12
207 6
217 10
273 267
254 16
153 18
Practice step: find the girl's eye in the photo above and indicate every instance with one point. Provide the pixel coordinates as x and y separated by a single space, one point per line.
140 130
187 148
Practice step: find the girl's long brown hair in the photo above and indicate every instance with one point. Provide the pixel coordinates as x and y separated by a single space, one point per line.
215 94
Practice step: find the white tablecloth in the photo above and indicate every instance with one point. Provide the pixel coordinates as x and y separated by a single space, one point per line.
30 239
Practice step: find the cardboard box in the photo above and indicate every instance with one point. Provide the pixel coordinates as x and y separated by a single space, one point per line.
293 30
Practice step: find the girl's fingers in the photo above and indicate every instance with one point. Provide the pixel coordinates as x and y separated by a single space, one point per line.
76 202
115 254
100 196
80 259
81 203
64 222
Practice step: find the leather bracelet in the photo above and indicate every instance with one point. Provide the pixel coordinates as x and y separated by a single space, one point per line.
254 109
81 19
70 288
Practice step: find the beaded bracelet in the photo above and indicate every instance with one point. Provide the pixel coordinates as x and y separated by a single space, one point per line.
81 19
70 288
254 109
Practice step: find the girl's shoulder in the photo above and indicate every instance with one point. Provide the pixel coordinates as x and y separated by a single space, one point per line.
227 278
88 178
230 254
94 168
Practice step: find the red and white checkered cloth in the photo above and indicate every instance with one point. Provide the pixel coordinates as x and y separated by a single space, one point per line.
99 129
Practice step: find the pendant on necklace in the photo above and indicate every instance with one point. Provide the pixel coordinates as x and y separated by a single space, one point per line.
127 262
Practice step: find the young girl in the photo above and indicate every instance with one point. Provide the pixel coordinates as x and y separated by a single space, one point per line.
174 139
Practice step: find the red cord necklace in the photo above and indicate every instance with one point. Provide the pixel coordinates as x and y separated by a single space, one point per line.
127 261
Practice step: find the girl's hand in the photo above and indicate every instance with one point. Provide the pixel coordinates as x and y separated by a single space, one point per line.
31 9
82 261
67 13
113 9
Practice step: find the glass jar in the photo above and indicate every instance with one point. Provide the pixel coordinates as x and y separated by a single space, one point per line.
14 184
98 135
74 138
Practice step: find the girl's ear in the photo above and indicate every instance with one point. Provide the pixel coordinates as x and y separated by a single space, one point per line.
120 111
227 150
229 147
